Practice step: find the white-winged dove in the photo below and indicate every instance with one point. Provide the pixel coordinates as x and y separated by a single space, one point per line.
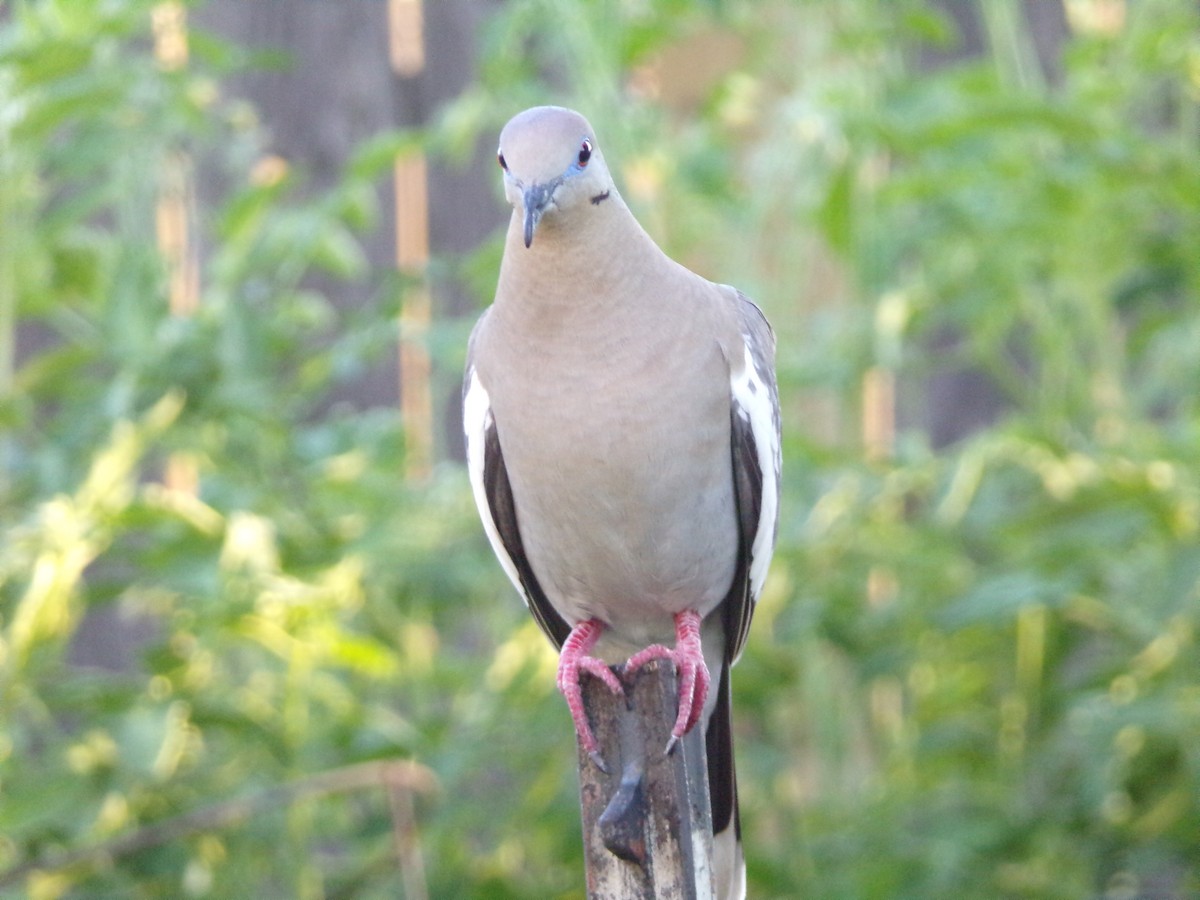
622 430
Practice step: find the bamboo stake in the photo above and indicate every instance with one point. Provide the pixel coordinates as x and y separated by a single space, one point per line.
406 39
412 257
879 445
169 21
171 216
878 414
406 49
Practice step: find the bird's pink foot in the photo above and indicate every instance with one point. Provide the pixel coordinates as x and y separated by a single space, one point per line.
688 657
573 661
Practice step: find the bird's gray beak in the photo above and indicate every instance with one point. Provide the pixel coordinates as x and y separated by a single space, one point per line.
536 199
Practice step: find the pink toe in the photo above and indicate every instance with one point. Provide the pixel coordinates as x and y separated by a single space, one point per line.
688 657
572 663
654 651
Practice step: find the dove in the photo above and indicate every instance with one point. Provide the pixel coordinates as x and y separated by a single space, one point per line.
622 429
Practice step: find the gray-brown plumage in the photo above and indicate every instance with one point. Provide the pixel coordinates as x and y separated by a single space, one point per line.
622 433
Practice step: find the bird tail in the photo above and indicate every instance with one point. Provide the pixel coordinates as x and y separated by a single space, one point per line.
729 866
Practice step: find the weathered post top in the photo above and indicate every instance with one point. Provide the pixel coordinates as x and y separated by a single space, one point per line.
647 828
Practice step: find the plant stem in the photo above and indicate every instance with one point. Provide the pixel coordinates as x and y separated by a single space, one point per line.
395 775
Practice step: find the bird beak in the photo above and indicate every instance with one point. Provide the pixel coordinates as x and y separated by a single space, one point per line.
536 199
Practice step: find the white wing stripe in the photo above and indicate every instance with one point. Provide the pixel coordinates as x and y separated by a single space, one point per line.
477 417
753 398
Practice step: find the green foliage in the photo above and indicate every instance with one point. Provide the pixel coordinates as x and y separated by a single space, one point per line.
974 669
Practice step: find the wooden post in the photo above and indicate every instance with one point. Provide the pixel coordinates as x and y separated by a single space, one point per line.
647 821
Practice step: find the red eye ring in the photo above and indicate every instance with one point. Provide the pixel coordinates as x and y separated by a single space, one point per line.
585 152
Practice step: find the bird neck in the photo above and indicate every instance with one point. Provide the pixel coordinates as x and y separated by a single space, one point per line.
589 263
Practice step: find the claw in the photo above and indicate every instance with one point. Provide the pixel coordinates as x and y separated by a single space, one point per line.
688 657
594 756
573 661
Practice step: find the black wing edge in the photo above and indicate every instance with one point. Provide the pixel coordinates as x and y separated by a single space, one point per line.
504 513
738 606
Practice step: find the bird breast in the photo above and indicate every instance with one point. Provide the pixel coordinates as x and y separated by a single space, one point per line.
618 452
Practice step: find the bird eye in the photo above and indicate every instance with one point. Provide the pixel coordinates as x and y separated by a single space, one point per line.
500 159
585 152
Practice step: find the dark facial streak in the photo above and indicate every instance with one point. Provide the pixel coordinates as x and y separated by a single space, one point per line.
599 198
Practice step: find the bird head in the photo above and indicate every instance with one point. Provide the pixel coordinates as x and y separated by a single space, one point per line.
552 166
